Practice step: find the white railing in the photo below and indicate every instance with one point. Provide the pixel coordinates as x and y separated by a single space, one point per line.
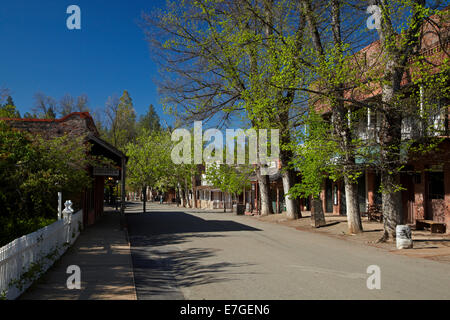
25 259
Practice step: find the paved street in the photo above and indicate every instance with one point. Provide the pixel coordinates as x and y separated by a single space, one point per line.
198 254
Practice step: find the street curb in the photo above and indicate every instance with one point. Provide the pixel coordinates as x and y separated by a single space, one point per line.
131 261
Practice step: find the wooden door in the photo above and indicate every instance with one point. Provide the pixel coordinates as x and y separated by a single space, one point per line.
435 203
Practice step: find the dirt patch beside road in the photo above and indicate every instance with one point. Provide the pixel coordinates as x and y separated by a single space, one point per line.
426 245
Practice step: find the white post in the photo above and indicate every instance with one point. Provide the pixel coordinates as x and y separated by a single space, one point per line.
67 210
349 118
67 216
59 205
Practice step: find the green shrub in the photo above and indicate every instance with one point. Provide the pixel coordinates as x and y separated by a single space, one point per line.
32 172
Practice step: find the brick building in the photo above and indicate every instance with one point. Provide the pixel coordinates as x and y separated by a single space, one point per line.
426 177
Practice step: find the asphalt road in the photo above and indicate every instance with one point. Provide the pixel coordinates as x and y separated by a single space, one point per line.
194 254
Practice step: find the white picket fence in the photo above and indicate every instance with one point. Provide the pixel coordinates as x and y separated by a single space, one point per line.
23 260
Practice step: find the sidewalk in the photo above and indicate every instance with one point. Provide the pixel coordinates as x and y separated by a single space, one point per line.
103 254
434 246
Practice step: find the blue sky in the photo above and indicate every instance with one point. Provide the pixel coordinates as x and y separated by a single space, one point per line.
108 55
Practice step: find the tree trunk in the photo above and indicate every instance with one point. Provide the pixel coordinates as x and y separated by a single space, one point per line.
182 198
287 174
340 123
264 192
396 58
351 201
186 198
392 205
390 143
144 190
343 131
186 192
224 195
292 206
263 180
194 191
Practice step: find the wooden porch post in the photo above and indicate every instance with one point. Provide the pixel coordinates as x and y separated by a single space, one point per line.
122 200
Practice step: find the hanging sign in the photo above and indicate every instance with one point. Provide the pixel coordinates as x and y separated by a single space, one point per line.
107 172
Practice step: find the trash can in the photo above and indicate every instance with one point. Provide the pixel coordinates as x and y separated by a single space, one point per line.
240 209
403 237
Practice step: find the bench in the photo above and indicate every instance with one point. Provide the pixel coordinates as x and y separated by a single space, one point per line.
435 227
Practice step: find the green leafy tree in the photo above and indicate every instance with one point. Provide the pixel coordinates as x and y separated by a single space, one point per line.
367 86
328 62
29 115
32 171
9 110
315 158
149 161
150 121
238 67
121 121
398 50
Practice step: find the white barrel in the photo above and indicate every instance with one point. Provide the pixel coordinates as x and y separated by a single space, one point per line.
403 236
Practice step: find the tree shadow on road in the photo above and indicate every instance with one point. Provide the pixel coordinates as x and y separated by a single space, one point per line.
180 222
161 268
161 274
